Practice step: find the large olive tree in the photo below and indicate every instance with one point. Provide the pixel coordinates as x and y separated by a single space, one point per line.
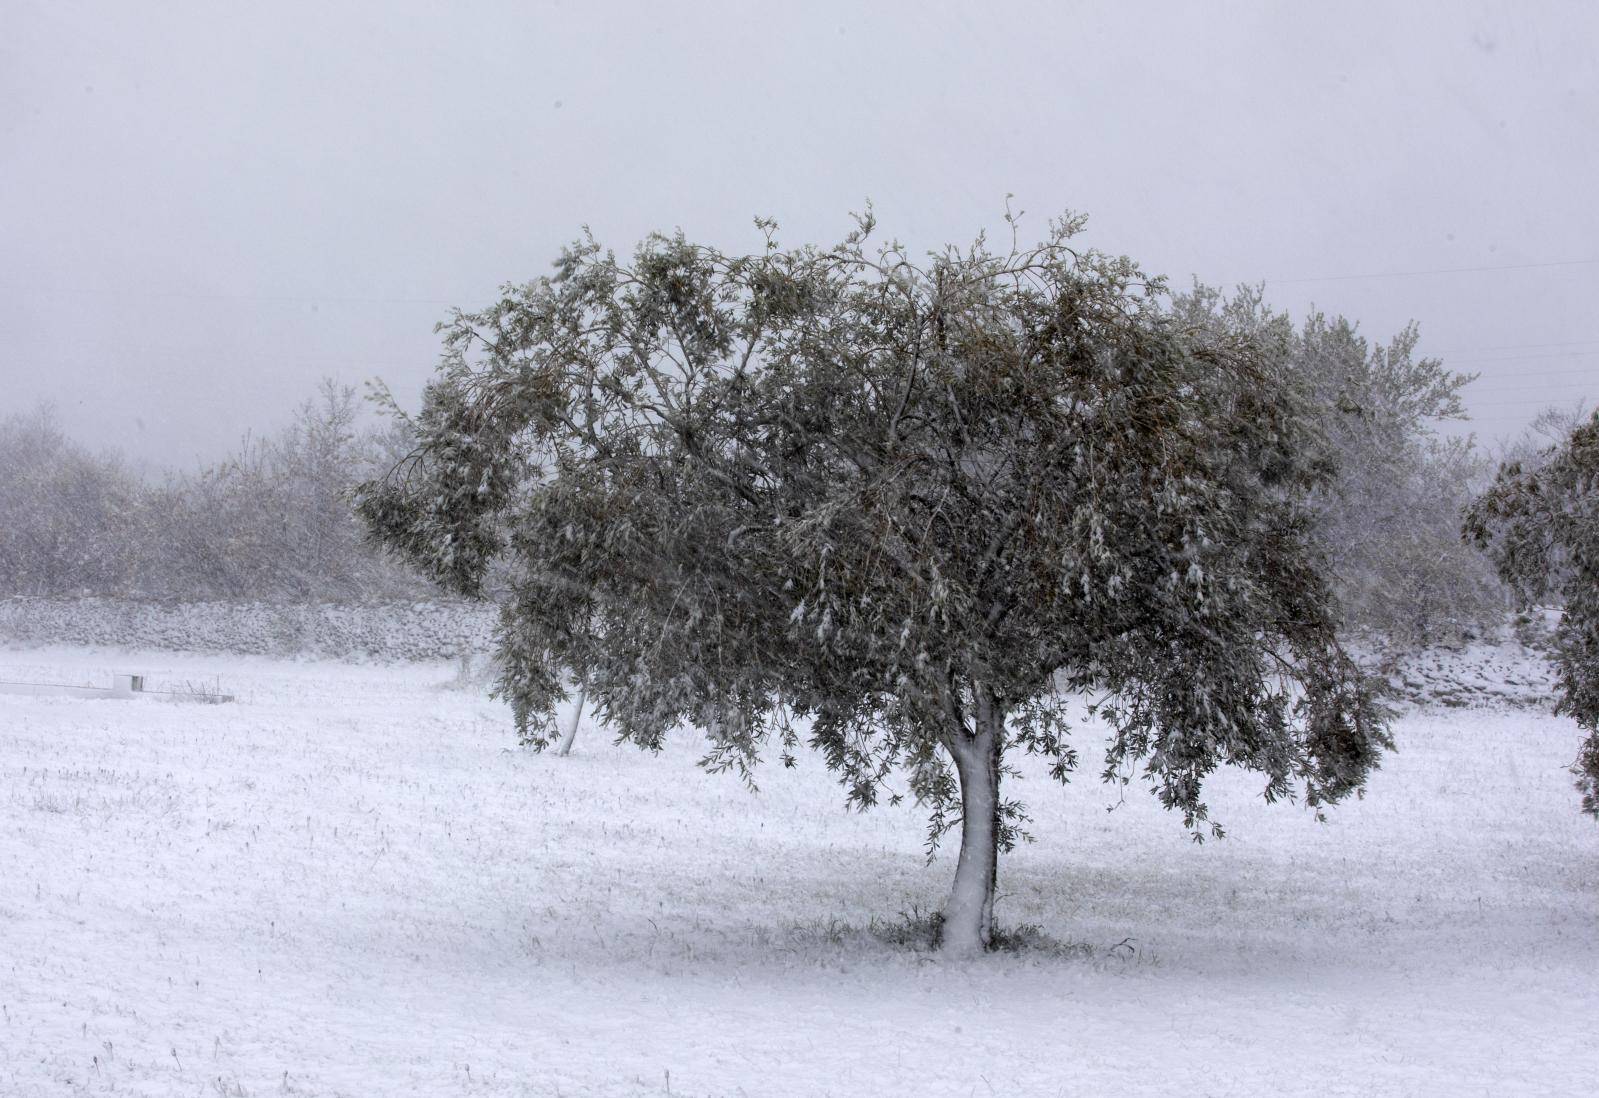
899 510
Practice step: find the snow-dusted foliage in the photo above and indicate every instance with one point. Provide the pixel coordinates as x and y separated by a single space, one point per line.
1390 517
893 508
68 518
272 522
1540 525
1542 439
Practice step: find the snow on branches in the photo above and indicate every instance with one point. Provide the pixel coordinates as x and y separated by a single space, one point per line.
897 508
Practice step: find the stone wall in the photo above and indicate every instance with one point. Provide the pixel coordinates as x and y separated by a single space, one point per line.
394 631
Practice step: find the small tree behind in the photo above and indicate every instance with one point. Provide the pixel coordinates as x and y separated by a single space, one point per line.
1390 516
1539 523
1541 439
896 510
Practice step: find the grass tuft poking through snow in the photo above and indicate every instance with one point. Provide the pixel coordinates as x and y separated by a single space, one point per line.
350 881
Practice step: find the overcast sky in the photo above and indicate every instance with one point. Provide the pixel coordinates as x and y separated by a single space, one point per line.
206 207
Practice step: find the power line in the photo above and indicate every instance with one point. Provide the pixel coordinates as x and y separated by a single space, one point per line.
1433 271
368 299
1562 377
1516 347
1450 359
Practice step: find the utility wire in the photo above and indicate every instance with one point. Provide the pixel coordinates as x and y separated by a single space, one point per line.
302 299
1434 271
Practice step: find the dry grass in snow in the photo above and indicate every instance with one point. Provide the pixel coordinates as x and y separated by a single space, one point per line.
352 882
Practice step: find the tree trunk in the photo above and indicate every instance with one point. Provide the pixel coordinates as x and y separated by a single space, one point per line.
571 730
969 914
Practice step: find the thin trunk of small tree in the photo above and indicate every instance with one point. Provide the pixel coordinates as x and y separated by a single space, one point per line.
571 730
969 914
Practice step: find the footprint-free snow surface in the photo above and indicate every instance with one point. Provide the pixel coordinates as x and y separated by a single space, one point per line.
351 881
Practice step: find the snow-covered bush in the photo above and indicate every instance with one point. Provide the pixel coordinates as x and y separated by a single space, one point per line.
424 630
1539 523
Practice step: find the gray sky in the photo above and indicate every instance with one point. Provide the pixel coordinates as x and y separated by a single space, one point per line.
206 207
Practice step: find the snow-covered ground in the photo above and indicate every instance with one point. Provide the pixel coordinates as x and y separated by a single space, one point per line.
352 882
1505 673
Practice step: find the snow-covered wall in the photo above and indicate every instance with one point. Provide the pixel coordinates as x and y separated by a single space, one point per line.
1505 672
390 631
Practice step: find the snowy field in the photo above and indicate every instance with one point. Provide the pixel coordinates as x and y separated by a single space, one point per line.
352 882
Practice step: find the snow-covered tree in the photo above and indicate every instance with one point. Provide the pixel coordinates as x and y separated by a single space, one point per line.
273 520
898 510
1390 517
1539 523
68 518
1541 439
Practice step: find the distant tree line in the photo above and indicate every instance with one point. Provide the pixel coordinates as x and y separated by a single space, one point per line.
271 522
